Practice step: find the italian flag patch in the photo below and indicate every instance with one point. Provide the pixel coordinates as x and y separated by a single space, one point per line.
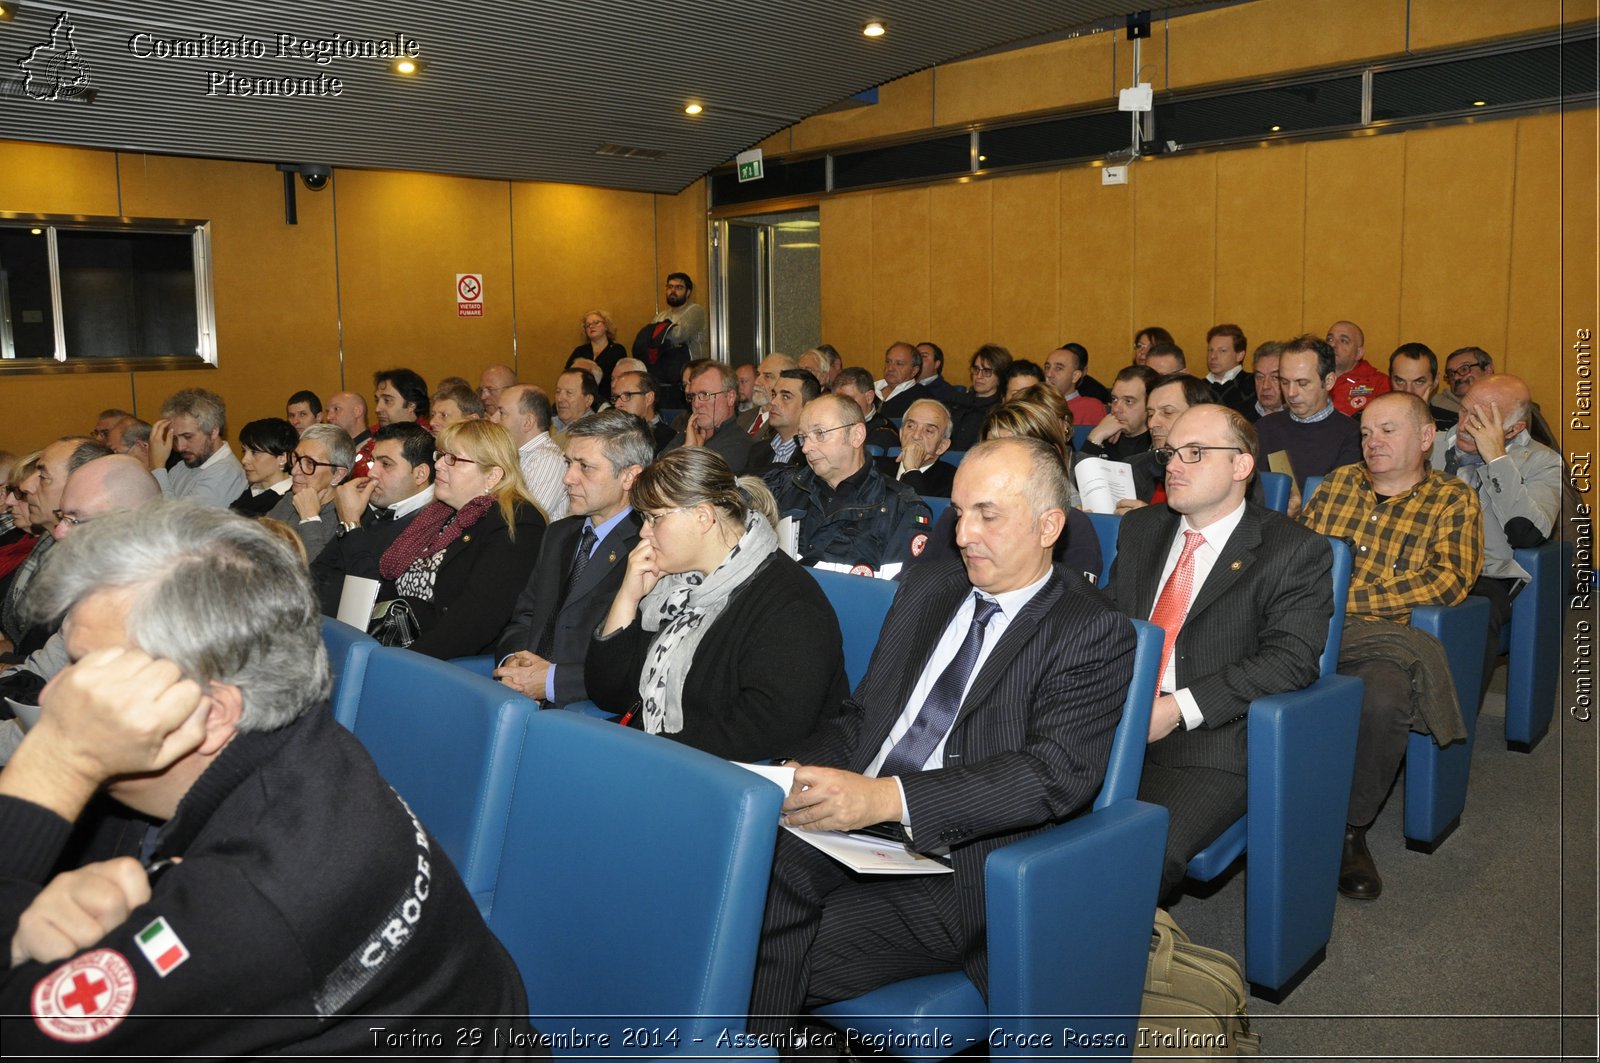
162 947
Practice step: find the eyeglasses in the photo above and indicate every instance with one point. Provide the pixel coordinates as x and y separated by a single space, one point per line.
1189 455
982 370
592 324
817 435
450 461
621 396
71 520
309 465
704 396
1461 372
653 518
16 492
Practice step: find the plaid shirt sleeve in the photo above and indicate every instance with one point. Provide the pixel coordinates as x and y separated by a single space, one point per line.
1422 548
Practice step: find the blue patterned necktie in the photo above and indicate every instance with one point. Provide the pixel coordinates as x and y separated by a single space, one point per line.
944 700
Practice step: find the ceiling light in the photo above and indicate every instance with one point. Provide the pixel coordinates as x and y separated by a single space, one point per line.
1480 103
798 225
983 158
693 108
874 27
406 66
8 11
36 232
1277 128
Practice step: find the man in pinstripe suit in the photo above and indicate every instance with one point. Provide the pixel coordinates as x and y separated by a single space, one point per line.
1257 618
1024 729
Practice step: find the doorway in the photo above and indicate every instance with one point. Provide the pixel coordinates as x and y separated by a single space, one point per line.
769 273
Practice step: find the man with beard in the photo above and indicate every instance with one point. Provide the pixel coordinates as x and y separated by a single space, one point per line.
192 423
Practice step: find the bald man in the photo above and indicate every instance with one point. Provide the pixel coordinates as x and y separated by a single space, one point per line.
348 410
1518 481
1357 381
492 381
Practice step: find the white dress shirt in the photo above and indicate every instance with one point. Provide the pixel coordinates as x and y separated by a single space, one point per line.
543 468
1216 535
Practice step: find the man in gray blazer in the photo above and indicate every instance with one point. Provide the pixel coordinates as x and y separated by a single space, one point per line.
581 563
986 715
1258 605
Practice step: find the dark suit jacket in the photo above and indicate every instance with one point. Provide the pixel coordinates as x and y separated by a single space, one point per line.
1029 746
1256 626
355 553
731 441
476 585
935 482
897 406
762 462
585 606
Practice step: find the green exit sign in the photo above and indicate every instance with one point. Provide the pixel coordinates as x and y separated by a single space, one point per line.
749 163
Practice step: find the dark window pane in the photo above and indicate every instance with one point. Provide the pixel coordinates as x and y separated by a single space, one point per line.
1528 76
904 162
779 181
25 292
1089 136
1289 108
127 295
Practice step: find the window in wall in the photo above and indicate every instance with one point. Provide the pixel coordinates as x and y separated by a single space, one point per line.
941 157
1526 76
104 294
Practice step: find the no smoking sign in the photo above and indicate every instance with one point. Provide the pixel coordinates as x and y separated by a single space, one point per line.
469 295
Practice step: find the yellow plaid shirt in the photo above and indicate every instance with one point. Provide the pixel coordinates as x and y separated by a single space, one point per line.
1424 547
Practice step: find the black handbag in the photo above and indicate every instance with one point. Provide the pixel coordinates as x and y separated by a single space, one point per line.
394 624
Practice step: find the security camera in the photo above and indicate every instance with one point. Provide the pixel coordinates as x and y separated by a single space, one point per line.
314 175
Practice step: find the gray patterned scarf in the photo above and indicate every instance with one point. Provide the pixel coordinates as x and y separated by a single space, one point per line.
680 608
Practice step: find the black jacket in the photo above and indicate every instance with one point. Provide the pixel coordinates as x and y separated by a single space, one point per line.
740 700
355 553
297 860
935 481
880 526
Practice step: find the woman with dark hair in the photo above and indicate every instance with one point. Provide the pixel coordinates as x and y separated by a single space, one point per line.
989 365
465 557
600 346
1147 338
266 447
696 644
1078 548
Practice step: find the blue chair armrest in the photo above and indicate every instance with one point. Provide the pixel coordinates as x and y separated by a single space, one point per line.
483 666
1533 642
1462 629
1436 778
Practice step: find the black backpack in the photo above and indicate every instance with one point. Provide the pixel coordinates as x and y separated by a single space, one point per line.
666 360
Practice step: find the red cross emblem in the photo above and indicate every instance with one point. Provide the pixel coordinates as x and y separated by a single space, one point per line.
86 992
86 998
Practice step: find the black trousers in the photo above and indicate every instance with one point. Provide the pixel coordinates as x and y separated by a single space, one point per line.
1201 803
1499 592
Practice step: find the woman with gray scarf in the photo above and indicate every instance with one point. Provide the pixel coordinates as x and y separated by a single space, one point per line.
716 638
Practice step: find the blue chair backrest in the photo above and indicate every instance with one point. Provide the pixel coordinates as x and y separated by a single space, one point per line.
1341 595
1275 490
874 450
1126 764
612 913
348 650
1080 435
861 603
1106 526
448 741
936 506
1312 483
952 457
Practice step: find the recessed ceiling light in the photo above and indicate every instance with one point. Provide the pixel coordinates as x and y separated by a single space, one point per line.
8 11
983 158
693 108
874 27
1276 128
36 232
406 66
1480 103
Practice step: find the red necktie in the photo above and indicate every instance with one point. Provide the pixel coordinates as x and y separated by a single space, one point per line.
1173 603
758 424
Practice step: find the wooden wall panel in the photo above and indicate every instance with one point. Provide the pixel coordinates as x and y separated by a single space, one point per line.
847 278
1097 277
900 253
1455 257
1251 40
1260 248
1048 77
960 277
402 239
682 242
1535 344
904 105
1174 248
1354 214
49 179
1440 23
1027 264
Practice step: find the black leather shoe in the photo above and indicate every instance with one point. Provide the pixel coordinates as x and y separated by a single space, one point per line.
1358 875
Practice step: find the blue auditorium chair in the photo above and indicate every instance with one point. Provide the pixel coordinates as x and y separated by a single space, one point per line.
1301 749
1080 435
952 457
936 506
1275 490
449 742
1436 779
860 603
1106 526
632 892
485 666
348 649
1069 912
1533 642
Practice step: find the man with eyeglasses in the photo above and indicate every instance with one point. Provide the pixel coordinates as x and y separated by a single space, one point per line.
1244 597
851 517
632 391
322 460
687 316
712 422
492 381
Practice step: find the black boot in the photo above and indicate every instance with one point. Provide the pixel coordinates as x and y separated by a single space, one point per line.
1358 875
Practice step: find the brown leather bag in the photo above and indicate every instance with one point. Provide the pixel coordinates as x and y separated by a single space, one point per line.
1194 999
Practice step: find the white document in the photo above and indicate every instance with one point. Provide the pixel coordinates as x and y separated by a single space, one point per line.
789 537
1103 483
877 856
356 601
890 571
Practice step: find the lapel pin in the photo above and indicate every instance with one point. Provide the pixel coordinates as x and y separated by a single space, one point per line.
466 538
612 557
1237 565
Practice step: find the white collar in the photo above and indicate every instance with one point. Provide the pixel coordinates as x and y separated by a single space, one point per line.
414 503
1219 531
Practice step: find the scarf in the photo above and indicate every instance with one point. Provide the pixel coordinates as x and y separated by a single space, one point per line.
436 527
680 608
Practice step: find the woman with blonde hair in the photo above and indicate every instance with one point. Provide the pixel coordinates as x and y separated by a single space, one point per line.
461 562
599 345
695 644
